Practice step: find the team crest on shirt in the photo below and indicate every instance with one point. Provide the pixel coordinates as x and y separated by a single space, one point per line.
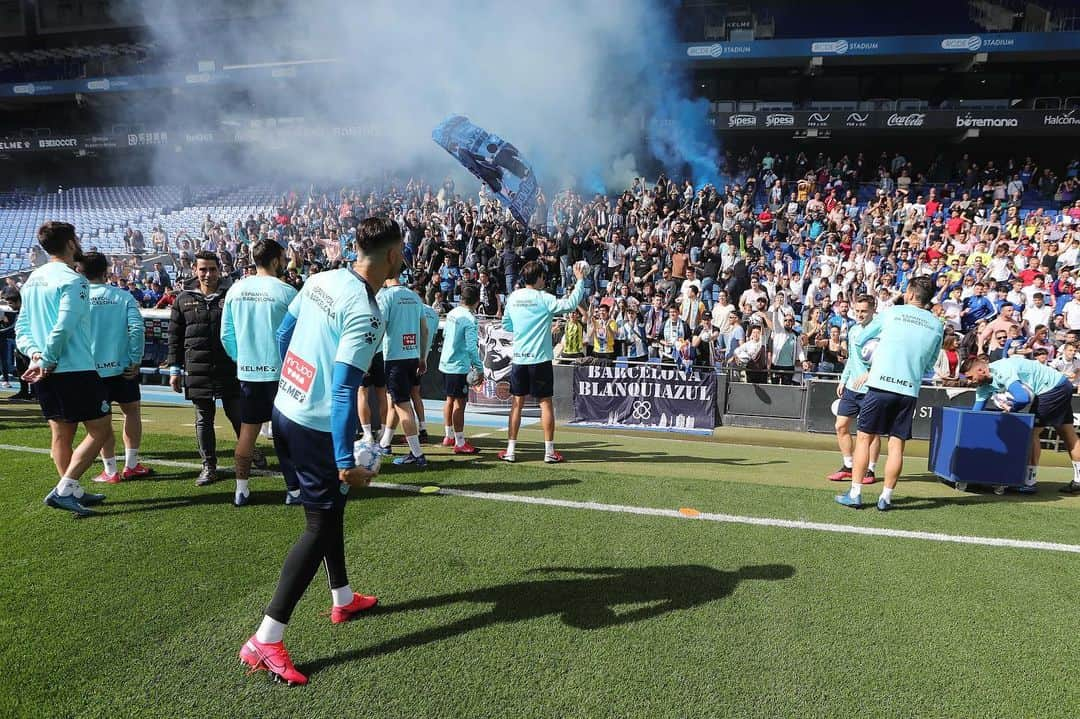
408 341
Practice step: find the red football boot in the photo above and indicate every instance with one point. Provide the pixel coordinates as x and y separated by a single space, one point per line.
137 472
553 458
506 456
840 475
105 478
448 442
869 477
359 603
273 657
466 449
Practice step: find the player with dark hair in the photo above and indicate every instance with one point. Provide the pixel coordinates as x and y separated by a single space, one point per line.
909 339
53 330
528 315
117 338
850 399
1014 383
460 354
326 341
253 310
406 333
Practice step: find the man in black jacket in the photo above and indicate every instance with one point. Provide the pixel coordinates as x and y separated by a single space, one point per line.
198 363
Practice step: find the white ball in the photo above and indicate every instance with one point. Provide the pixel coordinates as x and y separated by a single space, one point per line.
867 350
583 266
367 456
835 407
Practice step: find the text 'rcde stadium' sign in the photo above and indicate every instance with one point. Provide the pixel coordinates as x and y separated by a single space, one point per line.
645 397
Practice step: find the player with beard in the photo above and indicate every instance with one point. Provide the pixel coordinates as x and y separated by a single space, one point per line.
53 330
327 341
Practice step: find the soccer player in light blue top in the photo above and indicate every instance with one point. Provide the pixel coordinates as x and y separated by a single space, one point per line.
117 336
528 314
849 399
1014 383
253 309
53 330
403 311
909 339
329 335
460 353
430 318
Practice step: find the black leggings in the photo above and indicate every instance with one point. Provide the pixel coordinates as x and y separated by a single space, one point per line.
323 541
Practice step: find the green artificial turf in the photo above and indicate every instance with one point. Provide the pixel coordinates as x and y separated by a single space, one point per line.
493 609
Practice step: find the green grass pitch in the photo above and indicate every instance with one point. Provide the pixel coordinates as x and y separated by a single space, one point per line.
496 609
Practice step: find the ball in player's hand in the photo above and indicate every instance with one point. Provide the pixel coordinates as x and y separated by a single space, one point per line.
367 456
1003 401
581 268
867 350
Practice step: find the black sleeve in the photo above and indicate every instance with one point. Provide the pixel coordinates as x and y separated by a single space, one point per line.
177 326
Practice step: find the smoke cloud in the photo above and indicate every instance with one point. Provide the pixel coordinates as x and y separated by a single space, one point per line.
585 88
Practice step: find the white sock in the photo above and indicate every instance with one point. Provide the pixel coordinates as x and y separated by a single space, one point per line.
870 466
886 494
110 465
414 445
270 631
510 445
449 431
459 439
549 448
847 461
131 457
423 426
1076 471
856 491
367 433
342 595
241 486
66 486
294 493
1031 472
387 437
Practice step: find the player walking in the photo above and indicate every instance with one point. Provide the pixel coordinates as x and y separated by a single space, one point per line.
253 310
850 399
53 330
327 340
460 353
117 337
909 341
1028 382
402 311
528 315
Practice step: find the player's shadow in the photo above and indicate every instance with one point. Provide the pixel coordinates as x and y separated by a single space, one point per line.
589 600
595 452
982 495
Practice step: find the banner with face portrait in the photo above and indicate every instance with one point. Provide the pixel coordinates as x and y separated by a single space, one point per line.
493 161
497 353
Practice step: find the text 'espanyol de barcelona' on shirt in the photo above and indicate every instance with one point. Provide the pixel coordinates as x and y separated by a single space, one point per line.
402 309
337 320
528 315
117 334
254 308
55 318
909 342
461 342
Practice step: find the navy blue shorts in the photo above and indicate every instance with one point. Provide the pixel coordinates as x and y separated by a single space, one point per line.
401 377
376 374
306 457
537 380
887 413
73 396
455 385
122 391
257 401
1054 407
850 403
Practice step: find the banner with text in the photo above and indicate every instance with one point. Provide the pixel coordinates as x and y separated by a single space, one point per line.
649 396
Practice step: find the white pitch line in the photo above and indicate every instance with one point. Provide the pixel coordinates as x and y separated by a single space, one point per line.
675 514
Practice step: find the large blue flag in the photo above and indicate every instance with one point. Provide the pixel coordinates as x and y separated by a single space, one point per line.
494 161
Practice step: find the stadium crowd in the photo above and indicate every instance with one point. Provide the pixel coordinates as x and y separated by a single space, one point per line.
757 275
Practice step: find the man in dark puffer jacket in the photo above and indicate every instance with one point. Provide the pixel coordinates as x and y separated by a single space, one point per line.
198 362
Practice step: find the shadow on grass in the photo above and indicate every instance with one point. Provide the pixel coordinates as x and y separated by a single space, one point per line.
586 601
604 452
982 495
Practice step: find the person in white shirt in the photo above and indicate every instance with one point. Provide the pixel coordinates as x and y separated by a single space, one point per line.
953 305
1071 310
1037 313
785 350
690 281
721 310
1068 363
748 301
